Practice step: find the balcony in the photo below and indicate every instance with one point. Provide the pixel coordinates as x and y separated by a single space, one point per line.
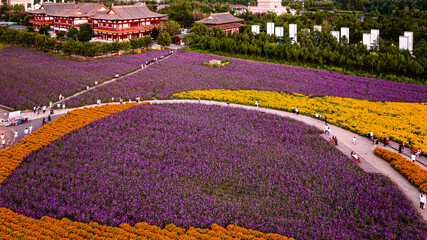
122 30
67 25
34 21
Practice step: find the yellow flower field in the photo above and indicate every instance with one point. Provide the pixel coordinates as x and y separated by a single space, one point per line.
396 120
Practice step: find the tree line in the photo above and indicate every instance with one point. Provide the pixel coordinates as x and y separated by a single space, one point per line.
70 47
314 47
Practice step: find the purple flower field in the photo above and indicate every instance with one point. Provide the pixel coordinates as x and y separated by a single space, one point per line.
29 78
185 71
194 165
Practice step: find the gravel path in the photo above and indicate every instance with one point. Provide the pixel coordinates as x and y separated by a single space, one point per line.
364 147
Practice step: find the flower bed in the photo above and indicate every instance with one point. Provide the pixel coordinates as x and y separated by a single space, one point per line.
17 226
399 121
14 225
195 165
413 172
33 78
12 157
184 71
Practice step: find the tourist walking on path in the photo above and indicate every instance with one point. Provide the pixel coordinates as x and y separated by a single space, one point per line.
30 129
371 136
326 128
26 132
354 140
16 134
418 152
326 120
256 104
413 157
385 141
297 110
2 136
422 201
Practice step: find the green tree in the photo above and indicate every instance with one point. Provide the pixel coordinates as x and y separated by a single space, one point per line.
199 29
147 40
164 39
59 35
72 33
85 33
217 32
171 27
44 30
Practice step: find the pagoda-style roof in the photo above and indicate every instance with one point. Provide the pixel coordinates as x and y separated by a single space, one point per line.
81 10
226 26
220 18
128 12
51 8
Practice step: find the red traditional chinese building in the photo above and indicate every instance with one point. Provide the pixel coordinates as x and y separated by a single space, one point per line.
126 22
43 16
225 21
76 16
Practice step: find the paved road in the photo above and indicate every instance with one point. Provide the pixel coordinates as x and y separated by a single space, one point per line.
364 147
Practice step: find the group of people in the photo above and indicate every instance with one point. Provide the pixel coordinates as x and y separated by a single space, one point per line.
155 60
28 130
38 109
335 139
4 142
295 110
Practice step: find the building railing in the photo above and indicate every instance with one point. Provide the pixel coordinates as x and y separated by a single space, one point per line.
67 24
41 21
129 29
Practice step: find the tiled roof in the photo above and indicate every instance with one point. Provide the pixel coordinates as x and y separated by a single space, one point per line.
51 8
81 9
127 12
226 26
220 18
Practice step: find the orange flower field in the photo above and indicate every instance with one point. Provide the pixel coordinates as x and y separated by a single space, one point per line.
413 172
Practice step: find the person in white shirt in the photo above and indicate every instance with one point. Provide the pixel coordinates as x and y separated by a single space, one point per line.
30 129
26 131
413 157
16 134
422 200
256 103
354 140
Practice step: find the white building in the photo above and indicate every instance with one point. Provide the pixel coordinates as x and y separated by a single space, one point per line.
270 6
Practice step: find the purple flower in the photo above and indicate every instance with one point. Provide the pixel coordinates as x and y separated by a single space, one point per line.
194 165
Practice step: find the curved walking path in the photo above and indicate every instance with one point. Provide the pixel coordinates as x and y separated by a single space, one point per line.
364 147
